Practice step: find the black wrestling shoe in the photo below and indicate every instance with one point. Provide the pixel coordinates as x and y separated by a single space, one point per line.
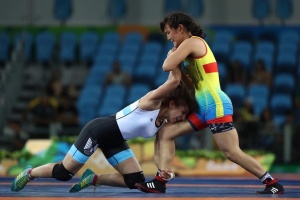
272 187
154 186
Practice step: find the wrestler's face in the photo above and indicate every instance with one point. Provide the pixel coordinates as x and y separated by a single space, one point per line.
174 35
177 113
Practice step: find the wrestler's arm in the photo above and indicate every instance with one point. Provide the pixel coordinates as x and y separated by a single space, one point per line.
152 99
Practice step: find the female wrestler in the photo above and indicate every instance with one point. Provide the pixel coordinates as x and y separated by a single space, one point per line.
192 51
169 103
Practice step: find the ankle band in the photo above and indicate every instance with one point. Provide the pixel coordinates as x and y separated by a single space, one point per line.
29 175
95 180
265 177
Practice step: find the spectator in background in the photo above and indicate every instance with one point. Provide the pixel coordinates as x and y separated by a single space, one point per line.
288 138
14 134
118 76
260 75
249 127
247 111
72 92
296 141
297 106
67 112
236 73
42 111
267 130
54 86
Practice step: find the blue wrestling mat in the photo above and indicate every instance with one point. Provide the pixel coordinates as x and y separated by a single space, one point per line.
179 188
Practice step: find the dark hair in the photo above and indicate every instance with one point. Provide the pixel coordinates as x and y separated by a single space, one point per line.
261 63
174 19
182 96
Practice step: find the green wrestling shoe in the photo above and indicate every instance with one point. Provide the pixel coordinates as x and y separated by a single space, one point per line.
85 181
21 180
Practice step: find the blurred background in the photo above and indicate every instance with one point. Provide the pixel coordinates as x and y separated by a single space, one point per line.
65 62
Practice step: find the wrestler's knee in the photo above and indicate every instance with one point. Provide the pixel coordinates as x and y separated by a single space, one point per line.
228 154
133 178
232 155
60 173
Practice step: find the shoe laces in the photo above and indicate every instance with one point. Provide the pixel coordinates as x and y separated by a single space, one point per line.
85 183
22 180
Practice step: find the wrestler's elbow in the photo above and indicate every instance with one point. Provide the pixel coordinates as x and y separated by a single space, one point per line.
168 67
165 68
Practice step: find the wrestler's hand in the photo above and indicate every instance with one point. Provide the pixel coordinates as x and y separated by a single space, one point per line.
171 51
167 174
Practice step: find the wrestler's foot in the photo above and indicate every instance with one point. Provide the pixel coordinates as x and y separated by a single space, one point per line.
86 180
154 186
21 180
272 187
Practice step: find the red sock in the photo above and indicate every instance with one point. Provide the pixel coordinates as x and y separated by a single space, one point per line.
29 174
95 180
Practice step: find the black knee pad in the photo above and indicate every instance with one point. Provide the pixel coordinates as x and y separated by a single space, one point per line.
133 178
60 173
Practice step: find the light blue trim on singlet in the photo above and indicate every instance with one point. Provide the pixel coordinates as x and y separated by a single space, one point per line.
77 155
120 157
126 110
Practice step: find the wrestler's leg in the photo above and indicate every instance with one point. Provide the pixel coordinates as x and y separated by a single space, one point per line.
121 157
164 154
46 171
60 171
165 142
156 150
129 167
228 143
